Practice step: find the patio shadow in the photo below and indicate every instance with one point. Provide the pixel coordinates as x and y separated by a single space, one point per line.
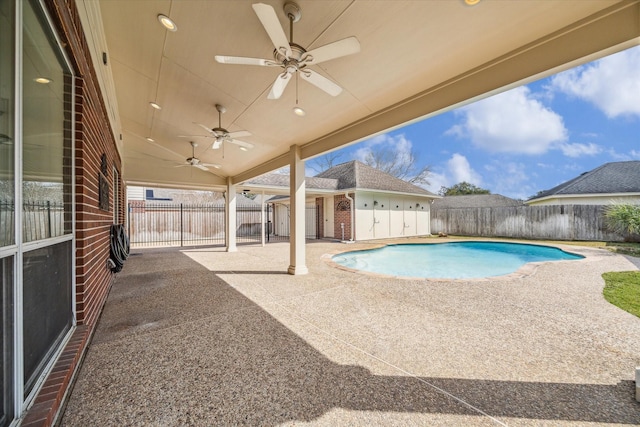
177 345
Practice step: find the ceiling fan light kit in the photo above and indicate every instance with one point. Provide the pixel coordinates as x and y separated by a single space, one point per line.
292 57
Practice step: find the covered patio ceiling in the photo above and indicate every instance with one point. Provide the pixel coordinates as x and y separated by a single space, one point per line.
417 59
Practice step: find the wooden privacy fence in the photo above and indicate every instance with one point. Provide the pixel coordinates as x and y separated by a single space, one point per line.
555 222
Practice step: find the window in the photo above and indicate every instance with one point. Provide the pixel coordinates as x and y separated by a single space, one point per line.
46 132
7 117
47 275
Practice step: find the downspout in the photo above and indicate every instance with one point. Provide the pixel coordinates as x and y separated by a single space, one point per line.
346 194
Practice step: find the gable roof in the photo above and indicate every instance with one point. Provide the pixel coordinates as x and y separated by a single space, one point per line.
356 175
475 201
610 178
353 175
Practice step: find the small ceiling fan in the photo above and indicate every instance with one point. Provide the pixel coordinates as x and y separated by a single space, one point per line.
222 135
292 57
194 161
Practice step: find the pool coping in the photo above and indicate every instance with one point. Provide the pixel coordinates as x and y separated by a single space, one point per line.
526 270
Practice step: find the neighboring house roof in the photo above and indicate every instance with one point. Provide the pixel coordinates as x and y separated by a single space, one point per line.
282 180
475 201
610 178
356 175
353 175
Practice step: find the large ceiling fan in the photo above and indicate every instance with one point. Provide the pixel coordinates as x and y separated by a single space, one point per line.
221 135
292 57
194 161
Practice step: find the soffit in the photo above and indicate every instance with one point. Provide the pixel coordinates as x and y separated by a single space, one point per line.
407 47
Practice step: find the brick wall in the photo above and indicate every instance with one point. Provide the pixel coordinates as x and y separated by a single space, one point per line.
342 214
93 138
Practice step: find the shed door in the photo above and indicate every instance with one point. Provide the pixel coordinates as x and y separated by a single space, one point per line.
410 218
328 217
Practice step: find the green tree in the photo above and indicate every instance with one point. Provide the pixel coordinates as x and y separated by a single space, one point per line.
623 219
462 188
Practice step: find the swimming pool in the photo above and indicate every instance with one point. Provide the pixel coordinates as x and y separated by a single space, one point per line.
456 260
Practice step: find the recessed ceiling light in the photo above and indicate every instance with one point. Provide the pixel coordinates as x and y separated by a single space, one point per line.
298 111
167 23
244 148
156 106
471 2
150 139
42 80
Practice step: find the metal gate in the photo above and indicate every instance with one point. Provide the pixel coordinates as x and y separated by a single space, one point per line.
178 224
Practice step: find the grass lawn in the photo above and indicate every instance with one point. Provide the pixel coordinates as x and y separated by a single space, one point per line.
622 289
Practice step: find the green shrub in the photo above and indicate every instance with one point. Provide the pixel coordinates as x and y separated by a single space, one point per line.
623 219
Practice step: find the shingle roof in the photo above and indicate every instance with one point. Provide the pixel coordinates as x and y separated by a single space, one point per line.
475 201
615 177
357 175
346 176
282 180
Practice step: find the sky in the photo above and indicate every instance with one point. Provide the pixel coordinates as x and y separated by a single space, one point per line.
530 138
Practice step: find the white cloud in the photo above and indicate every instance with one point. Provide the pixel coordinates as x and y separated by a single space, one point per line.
461 170
631 155
577 150
511 122
612 84
455 170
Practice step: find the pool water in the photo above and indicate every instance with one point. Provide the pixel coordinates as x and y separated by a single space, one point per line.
456 260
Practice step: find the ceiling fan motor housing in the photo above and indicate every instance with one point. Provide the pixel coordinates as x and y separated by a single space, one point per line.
297 54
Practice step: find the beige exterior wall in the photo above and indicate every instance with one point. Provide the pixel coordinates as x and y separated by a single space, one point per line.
380 215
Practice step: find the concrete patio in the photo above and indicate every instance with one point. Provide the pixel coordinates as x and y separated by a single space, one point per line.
204 337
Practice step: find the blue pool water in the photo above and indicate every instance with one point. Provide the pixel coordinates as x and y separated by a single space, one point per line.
457 260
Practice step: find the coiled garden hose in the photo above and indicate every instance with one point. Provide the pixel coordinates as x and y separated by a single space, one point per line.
119 247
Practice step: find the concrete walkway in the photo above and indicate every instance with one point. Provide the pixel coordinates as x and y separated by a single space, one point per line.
203 337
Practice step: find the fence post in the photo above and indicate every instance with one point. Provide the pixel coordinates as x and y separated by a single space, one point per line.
181 226
49 216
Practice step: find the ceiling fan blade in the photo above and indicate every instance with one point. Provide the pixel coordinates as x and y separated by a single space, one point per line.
208 129
241 143
271 23
321 82
195 136
343 47
239 134
212 165
181 166
279 85
201 167
240 60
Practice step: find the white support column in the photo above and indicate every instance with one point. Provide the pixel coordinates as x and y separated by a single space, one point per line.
230 217
297 240
262 218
